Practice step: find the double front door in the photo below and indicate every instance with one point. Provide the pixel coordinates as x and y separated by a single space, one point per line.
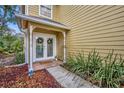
44 46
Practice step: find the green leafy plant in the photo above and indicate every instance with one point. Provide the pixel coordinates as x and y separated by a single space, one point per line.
20 58
109 75
84 66
105 71
93 61
11 44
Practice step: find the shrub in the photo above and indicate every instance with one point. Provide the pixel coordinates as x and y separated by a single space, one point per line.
93 62
84 66
11 44
110 74
17 45
75 63
105 71
20 58
1 50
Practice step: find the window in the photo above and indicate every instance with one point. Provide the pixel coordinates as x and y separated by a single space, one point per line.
46 11
39 47
49 47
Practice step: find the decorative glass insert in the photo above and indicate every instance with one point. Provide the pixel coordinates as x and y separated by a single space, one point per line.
46 10
49 47
39 47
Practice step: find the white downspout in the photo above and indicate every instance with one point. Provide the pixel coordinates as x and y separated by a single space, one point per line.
26 9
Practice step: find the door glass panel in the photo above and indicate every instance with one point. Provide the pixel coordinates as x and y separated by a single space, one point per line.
49 47
39 47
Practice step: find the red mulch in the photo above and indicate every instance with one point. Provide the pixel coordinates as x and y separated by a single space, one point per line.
17 77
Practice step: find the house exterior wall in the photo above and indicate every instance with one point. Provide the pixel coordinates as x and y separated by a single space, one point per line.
99 27
33 10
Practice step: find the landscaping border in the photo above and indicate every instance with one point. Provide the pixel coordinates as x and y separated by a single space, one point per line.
15 65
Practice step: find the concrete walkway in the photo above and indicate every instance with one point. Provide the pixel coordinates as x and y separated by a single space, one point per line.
68 79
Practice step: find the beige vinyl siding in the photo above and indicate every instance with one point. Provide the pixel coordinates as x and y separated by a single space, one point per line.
56 12
99 27
33 10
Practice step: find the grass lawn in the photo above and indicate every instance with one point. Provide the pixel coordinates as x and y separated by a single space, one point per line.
17 77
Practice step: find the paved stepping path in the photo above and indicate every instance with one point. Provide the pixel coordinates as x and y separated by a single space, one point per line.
68 79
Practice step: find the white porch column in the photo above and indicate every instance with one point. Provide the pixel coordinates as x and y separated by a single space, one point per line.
31 49
64 35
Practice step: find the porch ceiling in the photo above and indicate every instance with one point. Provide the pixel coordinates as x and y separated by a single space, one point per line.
44 21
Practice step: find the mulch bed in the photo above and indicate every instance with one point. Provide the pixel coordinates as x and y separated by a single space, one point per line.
17 77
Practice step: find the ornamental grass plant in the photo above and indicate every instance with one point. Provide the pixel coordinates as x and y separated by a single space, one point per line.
105 71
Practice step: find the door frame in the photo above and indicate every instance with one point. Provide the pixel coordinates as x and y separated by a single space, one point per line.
45 36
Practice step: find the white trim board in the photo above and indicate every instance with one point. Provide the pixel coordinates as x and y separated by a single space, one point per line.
46 16
26 9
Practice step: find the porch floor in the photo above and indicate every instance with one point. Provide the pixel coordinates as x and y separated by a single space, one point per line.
46 64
